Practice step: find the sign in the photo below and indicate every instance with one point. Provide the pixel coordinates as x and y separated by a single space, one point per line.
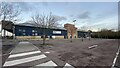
56 32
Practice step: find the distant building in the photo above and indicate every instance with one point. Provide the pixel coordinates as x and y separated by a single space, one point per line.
6 28
30 31
71 30
22 31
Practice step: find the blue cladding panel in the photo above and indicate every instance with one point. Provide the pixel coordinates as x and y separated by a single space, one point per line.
19 31
79 34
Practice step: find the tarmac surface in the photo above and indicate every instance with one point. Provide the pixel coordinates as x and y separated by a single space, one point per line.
7 46
27 55
62 53
78 52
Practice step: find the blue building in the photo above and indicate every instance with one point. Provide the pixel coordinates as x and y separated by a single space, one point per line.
25 31
29 31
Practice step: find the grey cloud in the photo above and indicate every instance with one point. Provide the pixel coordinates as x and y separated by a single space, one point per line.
45 3
84 15
71 15
60 18
24 6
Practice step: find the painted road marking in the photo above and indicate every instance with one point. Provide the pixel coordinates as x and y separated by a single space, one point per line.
49 63
24 60
92 46
115 59
24 42
24 54
28 59
47 52
68 66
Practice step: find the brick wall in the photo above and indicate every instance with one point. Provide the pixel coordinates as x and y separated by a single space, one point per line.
71 30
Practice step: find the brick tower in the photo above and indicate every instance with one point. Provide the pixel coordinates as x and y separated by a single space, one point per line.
71 30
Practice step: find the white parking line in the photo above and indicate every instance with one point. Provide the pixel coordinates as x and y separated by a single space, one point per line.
49 63
92 46
24 54
115 59
24 60
68 66
47 52
23 42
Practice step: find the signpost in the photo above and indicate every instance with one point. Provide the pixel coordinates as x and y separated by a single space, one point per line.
56 32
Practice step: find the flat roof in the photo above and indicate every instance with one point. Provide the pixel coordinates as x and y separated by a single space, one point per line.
33 25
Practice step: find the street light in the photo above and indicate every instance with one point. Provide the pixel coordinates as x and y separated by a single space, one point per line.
71 31
98 33
74 21
13 26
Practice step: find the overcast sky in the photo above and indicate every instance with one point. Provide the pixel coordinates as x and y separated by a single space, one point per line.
88 15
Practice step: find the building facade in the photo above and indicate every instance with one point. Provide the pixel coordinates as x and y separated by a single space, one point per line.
23 31
31 32
71 30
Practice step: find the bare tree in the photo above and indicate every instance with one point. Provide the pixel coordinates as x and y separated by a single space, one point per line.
45 21
9 12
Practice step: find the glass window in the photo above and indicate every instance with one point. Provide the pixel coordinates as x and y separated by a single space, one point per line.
36 34
24 34
36 31
33 34
33 30
20 30
23 30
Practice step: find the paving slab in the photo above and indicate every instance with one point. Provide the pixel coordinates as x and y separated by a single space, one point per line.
23 47
26 54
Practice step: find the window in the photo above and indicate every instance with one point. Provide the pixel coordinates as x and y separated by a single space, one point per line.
20 30
23 30
24 34
36 34
33 34
33 30
56 32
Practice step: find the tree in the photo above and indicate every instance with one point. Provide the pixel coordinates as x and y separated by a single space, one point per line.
89 31
45 21
9 12
83 29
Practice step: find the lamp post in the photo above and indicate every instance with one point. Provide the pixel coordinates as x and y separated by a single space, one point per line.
13 27
98 33
74 24
13 24
44 37
70 37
